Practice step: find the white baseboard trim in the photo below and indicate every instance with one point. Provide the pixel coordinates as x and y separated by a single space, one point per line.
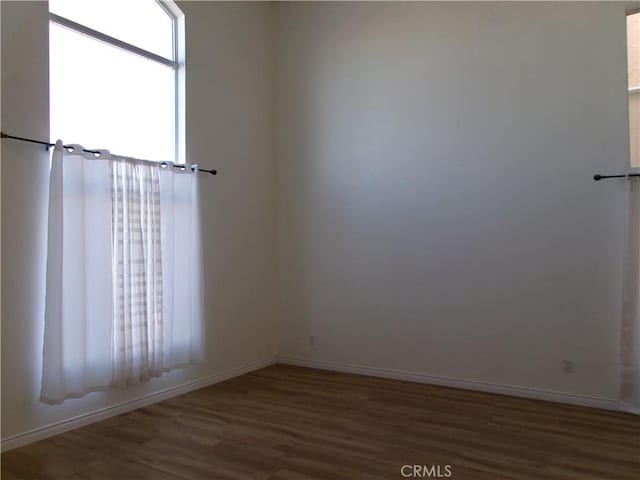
533 393
41 433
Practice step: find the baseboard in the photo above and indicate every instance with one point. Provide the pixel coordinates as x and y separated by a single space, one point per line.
41 433
537 394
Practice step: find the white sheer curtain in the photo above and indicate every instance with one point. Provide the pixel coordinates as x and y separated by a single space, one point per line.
182 267
138 338
124 287
630 339
78 306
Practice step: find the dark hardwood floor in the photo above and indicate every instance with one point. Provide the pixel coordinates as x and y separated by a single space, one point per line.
291 423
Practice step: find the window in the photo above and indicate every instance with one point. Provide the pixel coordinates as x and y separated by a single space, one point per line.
124 62
633 63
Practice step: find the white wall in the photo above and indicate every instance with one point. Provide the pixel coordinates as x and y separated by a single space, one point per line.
229 109
435 202
435 208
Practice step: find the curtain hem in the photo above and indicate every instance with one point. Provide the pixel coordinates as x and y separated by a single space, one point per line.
77 395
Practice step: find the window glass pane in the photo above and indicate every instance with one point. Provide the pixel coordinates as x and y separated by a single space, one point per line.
633 63
633 49
105 97
634 128
142 23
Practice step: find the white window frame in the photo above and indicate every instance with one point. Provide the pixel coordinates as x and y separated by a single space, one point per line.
177 63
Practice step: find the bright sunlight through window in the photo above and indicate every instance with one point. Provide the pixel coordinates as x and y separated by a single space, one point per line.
633 63
119 63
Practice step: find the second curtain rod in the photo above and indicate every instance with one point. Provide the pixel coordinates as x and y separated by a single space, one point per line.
49 145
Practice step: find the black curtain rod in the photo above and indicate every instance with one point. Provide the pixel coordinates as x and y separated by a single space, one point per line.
49 145
599 177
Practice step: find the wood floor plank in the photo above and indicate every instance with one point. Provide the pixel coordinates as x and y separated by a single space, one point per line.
293 423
